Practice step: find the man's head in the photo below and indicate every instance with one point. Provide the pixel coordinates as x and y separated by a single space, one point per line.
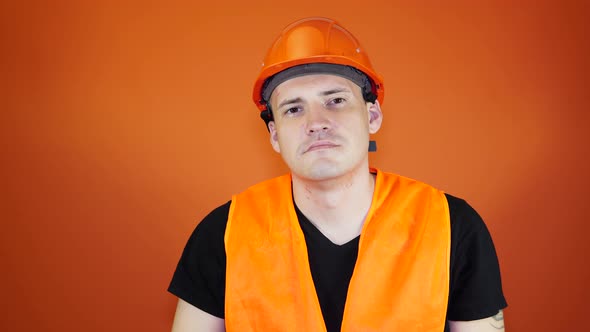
303 45
320 98
321 125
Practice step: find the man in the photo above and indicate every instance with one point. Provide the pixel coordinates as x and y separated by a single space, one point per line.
335 245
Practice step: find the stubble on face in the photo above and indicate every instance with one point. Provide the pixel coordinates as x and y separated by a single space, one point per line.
320 139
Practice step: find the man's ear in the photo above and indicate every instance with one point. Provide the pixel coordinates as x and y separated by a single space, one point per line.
375 116
274 140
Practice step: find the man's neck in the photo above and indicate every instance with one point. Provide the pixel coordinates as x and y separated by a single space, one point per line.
337 207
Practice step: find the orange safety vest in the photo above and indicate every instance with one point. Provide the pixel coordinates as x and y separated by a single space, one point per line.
400 281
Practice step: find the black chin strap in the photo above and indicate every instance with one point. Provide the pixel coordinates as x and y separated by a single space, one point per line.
372 146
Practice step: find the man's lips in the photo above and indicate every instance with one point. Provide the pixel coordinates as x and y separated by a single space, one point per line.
320 145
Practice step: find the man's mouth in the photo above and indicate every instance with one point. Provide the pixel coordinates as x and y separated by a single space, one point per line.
320 145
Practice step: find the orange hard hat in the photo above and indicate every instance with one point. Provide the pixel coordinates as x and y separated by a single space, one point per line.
311 41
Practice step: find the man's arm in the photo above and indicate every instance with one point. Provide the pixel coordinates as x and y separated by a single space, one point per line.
490 324
189 318
199 279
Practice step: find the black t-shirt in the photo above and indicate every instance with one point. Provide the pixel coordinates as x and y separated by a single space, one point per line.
475 287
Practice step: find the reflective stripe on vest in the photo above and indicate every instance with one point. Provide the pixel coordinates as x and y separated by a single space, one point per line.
400 281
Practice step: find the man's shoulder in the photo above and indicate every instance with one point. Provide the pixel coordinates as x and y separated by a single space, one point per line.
463 215
390 177
215 222
268 184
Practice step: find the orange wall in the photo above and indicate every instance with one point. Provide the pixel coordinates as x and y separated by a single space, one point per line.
122 125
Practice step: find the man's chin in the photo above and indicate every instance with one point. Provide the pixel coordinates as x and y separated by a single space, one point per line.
322 172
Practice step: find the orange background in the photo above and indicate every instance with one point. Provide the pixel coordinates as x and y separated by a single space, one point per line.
123 124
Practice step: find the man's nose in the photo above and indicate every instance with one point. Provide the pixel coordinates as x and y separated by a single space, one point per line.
317 120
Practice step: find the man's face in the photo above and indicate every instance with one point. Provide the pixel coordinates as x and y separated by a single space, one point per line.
321 125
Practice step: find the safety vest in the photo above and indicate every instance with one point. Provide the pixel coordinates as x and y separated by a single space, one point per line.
400 281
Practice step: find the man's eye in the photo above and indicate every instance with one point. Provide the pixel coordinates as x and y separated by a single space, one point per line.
338 100
292 110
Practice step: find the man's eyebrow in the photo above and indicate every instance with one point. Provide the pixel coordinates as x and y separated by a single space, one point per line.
323 93
333 91
290 101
